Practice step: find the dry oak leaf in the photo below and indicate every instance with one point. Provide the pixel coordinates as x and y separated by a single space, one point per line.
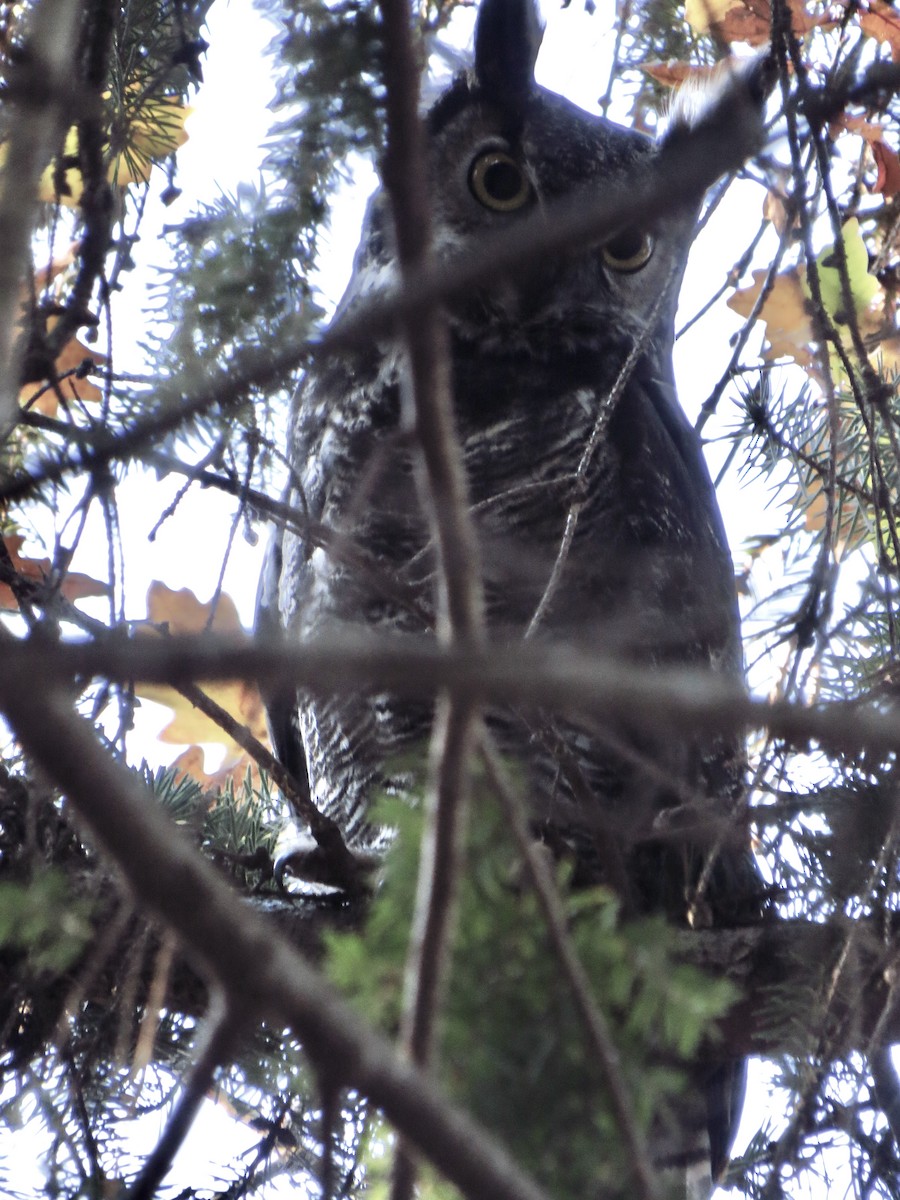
785 312
191 763
74 586
182 612
72 357
749 21
674 73
882 21
887 181
152 133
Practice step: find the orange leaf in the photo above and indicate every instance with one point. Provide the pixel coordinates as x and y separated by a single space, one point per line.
674 73
887 182
789 329
74 586
191 763
882 22
73 354
182 612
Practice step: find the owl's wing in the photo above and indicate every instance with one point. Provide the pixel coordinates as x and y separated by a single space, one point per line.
281 704
288 575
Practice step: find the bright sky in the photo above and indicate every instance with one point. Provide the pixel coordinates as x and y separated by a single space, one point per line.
226 134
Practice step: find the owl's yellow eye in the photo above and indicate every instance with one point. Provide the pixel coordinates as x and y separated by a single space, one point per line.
628 251
499 182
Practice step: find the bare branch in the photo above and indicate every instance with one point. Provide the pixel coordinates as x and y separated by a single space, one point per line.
41 85
223 1027
460 601
550 676
258 971
343 867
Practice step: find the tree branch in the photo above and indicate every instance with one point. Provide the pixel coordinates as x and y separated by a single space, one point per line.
443 485
260 974
43 91
554 677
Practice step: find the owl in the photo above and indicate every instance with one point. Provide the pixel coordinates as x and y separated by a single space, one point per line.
578 344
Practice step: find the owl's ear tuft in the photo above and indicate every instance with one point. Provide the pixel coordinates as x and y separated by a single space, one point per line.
508 36
733 97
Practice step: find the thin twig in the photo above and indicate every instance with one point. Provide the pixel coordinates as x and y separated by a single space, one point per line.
224 1025
343 867
260 974
428 406
580 485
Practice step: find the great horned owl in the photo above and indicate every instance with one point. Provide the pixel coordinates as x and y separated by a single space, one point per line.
648 576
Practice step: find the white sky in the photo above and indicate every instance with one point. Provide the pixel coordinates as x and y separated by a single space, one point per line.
227 131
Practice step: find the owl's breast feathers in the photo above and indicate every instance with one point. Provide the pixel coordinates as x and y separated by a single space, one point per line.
648 576
537 367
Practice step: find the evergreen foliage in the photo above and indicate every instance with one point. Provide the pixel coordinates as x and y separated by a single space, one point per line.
94 993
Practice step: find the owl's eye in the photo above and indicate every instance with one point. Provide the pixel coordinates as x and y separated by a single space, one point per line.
499 182
628 251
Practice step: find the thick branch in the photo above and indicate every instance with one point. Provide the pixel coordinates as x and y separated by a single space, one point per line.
445 498
258 970
43 92
553 677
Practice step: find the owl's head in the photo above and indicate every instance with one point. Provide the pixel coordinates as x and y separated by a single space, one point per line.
504 151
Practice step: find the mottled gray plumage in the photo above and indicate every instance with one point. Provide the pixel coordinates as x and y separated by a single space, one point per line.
649 575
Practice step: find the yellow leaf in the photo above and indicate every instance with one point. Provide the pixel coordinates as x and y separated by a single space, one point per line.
151 133
156 130
63 186
703 15
864 288
73 586
182 612
785 312
191 762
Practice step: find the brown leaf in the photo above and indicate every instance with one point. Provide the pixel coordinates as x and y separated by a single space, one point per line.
182 612
887 182
789 329
674 73
73 354
749 20
882 22
74 586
